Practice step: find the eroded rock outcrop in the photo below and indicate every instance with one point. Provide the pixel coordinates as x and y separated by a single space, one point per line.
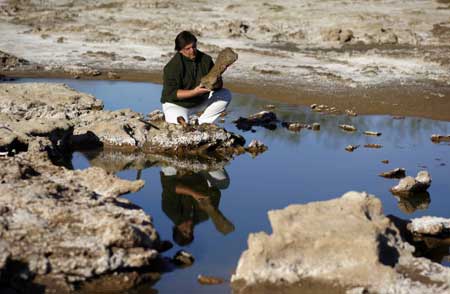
431 226
8 61
345 243
69 225
28 110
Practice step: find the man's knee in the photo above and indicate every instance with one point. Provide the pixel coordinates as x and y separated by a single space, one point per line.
172 112
223 94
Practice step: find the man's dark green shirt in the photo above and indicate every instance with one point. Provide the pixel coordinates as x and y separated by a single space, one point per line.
182 73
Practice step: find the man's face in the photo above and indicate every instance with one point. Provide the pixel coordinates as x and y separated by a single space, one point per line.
189 50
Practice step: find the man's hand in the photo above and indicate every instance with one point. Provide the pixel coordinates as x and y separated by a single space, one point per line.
197 91
200 90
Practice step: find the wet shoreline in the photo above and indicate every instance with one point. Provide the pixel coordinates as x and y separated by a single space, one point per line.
426 99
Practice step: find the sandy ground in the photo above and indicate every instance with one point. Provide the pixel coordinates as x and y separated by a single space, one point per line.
378 56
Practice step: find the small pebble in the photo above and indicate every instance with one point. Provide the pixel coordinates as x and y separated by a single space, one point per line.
316 127
348 128
351 148
183 258
209 280
376 146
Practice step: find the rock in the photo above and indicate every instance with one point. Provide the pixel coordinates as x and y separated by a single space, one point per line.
78 71
293 126
440 138
386 36
8 61
71 224
355 245
424 178
348 128
156 115
237 29
183 258
269 106
209 280
371 133
410 185
60 40
429 225
315 127
350 112
266 119
337 35
385 161
256 147
322 108
375 146
397 173
351 148
226 58
112 75
27 110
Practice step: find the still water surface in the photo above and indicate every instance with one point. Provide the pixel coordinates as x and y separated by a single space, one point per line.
297 168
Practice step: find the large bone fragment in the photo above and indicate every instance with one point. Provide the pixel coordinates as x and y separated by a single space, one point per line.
226 58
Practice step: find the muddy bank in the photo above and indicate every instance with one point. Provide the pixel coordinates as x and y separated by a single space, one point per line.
419 99
377 57
355 247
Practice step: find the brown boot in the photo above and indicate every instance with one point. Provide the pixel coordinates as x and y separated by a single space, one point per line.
182 121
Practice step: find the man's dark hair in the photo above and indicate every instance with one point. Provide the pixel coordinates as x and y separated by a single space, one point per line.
184 38
180 238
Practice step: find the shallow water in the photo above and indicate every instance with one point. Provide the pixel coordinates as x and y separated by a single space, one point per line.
297 168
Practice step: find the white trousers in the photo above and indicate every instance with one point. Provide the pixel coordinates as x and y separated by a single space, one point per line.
215 105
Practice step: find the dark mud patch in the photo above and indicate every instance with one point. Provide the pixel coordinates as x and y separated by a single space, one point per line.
441 31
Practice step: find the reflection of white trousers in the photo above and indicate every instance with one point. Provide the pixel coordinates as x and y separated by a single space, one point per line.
215 105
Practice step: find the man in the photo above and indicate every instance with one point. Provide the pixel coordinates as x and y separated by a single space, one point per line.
190 199
182 94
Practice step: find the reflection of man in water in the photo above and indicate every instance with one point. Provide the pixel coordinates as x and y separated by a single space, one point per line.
191 199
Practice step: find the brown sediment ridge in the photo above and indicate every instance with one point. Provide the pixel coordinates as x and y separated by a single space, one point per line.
427 99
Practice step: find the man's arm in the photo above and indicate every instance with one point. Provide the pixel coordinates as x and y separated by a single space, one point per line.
186 94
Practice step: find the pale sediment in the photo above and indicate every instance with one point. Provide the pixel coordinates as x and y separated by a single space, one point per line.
376 57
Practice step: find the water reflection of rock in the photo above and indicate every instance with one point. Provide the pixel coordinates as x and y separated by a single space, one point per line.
191 198
411 203
115 161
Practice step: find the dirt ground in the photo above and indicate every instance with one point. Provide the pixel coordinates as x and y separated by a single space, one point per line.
374 57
